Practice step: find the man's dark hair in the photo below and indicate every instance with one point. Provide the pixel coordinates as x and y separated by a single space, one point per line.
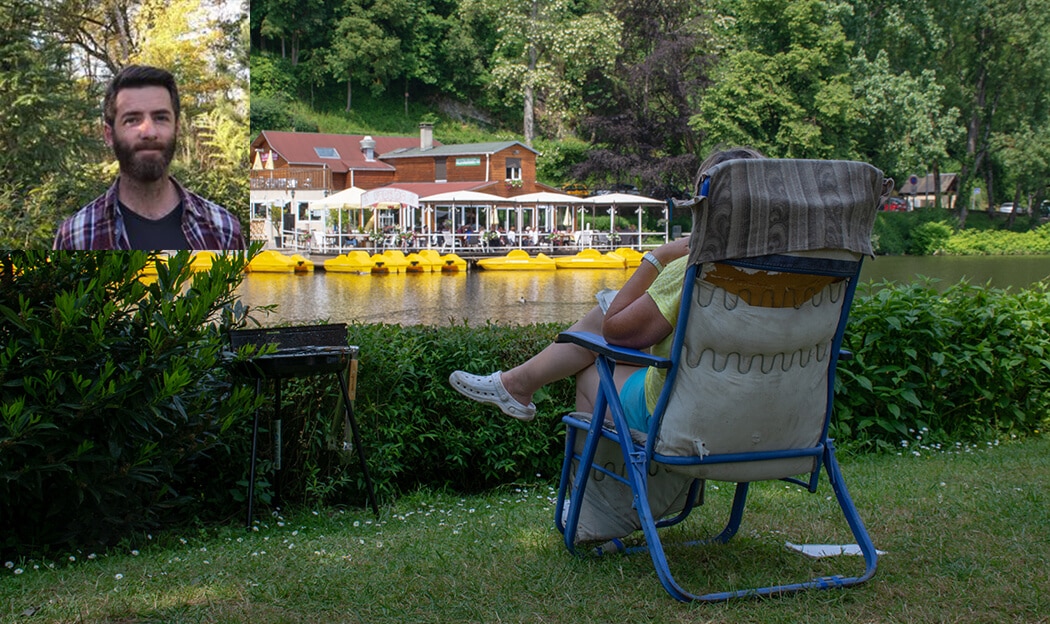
134 76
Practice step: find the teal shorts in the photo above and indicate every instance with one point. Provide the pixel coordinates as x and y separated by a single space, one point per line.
632 396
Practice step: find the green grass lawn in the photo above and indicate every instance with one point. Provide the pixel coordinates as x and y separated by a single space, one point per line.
965 532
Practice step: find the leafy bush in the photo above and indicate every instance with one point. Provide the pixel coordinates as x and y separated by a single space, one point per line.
929 238
967 364
115 410
998 242
268 113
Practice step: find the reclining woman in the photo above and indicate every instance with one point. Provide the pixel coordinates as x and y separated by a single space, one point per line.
641 316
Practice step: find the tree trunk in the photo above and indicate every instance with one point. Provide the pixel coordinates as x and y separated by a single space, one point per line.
529 112
349 93
528 91
936 185
973 131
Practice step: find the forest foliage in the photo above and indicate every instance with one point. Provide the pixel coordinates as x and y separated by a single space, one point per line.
56 57
913 86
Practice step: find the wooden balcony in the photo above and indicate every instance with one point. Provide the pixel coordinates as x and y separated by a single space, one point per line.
298 178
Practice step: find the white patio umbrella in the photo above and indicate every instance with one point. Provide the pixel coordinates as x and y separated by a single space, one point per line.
390 197
463 198
547 198
624 199
346 199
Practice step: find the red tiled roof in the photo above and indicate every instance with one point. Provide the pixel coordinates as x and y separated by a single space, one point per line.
426 189
298 148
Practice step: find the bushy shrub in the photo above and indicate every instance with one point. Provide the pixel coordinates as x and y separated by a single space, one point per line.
890 234
929 238
268 113
114 404
999 242
967 364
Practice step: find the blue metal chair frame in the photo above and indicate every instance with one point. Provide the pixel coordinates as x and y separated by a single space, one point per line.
637 457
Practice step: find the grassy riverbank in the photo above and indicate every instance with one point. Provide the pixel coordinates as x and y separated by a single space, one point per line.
964 529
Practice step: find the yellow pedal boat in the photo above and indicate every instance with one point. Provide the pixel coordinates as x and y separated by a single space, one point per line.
302 263
632 256
353 262
426 261
518 260
592 259
202 260
270 261
390 261
452 263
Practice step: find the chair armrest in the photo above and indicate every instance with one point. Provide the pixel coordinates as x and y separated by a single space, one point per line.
599 345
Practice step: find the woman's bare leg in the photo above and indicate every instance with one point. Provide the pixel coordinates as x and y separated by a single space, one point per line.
557 361
587 385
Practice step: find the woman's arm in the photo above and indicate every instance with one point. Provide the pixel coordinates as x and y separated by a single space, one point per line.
633 319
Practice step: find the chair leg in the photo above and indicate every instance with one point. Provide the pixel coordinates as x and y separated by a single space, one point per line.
849 510
656 551
573 494
735 515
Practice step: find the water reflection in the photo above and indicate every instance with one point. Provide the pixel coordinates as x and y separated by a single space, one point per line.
549 296
504 297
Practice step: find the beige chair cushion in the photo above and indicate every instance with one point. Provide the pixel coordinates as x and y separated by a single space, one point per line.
752 378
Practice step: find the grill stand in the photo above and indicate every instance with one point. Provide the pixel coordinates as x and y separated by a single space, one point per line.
355 432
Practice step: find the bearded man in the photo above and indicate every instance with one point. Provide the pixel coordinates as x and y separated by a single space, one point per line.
146 208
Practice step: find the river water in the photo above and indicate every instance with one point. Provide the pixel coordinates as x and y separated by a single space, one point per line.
523 297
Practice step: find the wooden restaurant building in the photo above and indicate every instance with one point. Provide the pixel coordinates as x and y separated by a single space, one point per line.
292 170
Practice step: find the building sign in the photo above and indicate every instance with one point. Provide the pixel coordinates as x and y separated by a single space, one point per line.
468 162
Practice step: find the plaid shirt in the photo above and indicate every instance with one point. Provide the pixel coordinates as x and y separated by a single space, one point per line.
100 224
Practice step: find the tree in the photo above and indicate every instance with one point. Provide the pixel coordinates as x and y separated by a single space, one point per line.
903 125
46 125
996 65
545 51
783 85
638 113
361 49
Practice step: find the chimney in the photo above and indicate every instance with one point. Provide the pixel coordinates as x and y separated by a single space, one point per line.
426 136
368 146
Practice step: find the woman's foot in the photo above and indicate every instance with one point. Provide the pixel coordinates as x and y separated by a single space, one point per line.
489 389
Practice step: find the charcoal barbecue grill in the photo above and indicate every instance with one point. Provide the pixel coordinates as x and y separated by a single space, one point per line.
288 352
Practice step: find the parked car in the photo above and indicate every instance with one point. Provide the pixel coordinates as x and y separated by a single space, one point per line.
1006 208
894 204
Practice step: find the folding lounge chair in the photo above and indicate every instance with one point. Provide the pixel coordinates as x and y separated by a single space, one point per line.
750 381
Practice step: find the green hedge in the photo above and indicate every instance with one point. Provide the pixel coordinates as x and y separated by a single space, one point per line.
929 231
966 365
970 363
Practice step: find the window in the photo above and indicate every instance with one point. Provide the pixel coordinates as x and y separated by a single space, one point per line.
513 168
440 174
326 152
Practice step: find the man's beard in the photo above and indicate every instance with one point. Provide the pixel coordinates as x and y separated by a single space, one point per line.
144 167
